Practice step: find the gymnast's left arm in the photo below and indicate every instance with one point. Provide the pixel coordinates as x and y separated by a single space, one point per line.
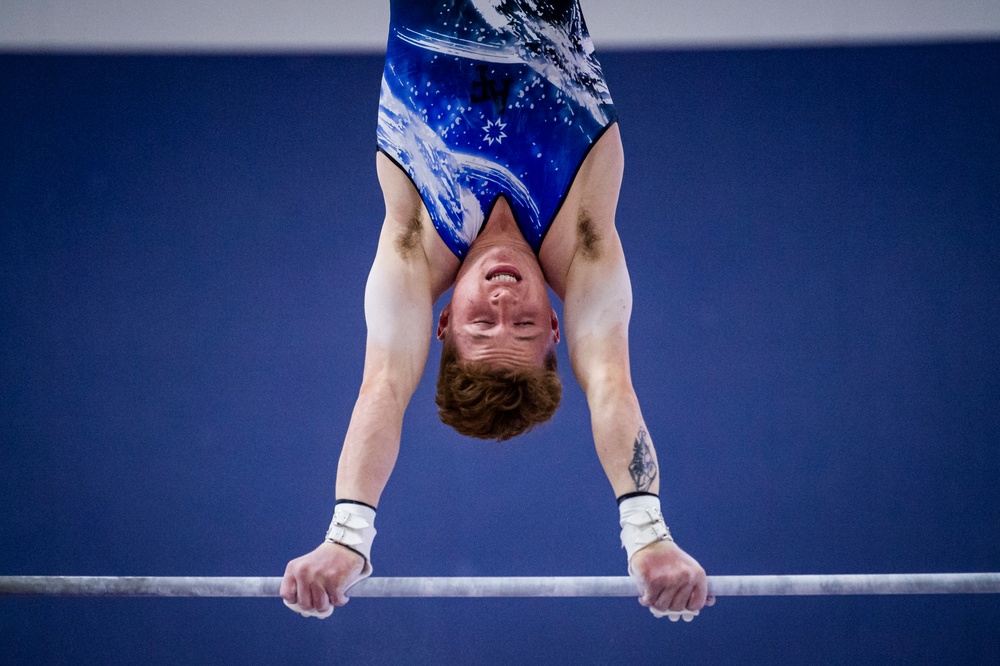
598 305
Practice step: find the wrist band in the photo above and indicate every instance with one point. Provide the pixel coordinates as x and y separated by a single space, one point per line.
353 526
642 523
638 493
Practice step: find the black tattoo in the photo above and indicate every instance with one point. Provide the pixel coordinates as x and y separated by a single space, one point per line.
642 469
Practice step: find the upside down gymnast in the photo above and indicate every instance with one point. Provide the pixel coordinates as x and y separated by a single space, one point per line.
500 162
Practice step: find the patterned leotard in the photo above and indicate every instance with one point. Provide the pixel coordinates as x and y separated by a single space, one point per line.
489 98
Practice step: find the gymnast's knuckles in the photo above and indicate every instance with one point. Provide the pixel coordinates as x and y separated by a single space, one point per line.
669 579
318 580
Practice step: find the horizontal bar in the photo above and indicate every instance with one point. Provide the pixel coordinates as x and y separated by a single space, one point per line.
557 586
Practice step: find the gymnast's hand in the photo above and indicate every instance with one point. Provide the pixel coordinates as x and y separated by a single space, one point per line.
670 581
316 582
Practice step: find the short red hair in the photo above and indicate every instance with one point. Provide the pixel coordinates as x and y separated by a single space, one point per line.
495 403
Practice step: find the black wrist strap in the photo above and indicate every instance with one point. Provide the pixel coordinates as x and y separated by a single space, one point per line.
350 501
638 493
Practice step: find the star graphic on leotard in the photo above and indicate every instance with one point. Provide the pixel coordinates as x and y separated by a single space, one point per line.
494 131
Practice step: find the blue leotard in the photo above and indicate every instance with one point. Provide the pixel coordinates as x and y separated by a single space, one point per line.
489 98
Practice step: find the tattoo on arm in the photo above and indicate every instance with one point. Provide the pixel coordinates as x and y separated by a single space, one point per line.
642 469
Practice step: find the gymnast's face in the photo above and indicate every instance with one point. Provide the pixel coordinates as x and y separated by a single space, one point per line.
500 312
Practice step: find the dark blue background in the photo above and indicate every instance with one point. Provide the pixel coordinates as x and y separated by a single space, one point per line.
814 241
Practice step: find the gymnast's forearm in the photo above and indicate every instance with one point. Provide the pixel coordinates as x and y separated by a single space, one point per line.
601 364
623 443
371 445
398 313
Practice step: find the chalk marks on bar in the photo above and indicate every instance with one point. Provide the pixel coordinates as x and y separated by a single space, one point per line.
854 584
529 586
139 586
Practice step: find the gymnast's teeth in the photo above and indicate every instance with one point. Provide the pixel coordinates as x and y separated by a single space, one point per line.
503 277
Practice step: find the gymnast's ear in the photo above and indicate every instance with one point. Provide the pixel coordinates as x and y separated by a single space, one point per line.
443 322
554 323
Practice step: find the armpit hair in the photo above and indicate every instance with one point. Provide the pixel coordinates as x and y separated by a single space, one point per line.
588 238
408 240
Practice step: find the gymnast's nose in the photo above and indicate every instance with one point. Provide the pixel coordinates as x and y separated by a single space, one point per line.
502 296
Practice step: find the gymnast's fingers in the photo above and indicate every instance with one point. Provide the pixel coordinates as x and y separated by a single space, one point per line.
699 597
304 593
309 613
338 597
682 598
289 595
320 599
663 600
287 590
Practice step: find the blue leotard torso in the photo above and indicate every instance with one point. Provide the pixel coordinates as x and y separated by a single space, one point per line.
489 98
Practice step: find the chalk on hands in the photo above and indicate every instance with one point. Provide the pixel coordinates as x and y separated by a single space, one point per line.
687 615
310 613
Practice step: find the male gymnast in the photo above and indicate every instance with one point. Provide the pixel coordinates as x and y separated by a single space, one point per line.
500 162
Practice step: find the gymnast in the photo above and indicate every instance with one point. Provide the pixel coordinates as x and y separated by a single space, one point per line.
500 162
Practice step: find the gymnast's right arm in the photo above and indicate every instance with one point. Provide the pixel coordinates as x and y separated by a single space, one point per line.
399 297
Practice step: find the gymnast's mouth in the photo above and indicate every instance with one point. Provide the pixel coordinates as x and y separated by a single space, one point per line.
503 274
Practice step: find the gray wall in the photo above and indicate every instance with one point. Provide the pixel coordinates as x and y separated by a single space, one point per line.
260 25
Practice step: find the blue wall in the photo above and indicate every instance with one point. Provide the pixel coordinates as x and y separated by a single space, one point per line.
814 241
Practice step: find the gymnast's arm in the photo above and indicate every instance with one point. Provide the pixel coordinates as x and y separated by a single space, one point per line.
597 309
401 290
597 297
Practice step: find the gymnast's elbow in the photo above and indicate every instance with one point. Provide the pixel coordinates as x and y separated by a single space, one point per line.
386 391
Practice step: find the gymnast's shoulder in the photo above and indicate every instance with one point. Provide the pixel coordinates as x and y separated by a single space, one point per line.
583 233
408 236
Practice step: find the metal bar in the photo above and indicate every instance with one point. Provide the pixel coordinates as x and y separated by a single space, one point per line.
558 586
